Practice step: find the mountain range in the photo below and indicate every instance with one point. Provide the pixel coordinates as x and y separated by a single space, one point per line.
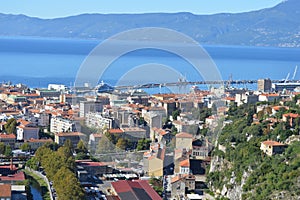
276 26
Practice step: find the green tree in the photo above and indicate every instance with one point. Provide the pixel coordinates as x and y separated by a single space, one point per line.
25 147
157 184
33 163
10 126
121 144
143 144
81 147
2 148
8 151
67 185
175 114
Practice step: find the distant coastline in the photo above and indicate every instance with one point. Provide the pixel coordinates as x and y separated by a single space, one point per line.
278 26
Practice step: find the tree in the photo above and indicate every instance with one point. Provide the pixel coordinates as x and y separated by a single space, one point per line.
67 185
2 148
25 147
81 147
10 126
121 144
8 151
143 144
175 114
33 163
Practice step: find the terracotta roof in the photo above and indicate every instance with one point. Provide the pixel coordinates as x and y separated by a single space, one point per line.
7 136
277 108
271 95
292 115
184 135
15 177
70 134
177 178
23 122
91 163
115 131
5 190
272 143
39 140
185 163
230 98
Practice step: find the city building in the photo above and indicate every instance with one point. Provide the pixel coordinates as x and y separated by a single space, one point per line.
26 132
180 184
97 120
48 93
184 141
8 139
75 137
36 143
5 191
291 118
95 168
247 98
59 124
16 99
264 85
154 162
184 167
285 86
92 106
134 190
160 135
134 134
270 147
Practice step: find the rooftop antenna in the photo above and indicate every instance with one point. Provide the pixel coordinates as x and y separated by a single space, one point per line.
296 68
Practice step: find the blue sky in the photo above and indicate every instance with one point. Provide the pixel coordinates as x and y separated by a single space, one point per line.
62 8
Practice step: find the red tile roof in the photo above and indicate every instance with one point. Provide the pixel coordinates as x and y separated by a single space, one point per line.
115 131
124 186
7 136
291 115
272 143
177 178
70 134
15 177
185 163
184 135
91 163
39 140
5 190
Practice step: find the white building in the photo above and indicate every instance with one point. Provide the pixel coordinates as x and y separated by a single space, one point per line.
59 124
98 121
57 87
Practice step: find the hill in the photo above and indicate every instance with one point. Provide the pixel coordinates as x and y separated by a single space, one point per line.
277 26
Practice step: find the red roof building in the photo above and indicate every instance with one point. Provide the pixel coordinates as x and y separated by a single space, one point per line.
134 190
270 147
5 191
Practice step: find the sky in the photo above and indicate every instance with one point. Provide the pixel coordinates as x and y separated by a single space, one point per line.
63 8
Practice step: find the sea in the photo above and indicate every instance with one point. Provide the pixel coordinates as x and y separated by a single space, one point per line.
38 62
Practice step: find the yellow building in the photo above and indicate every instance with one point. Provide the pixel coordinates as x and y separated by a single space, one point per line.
154 164
270 147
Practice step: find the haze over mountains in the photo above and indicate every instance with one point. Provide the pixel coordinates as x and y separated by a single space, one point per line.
277 26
